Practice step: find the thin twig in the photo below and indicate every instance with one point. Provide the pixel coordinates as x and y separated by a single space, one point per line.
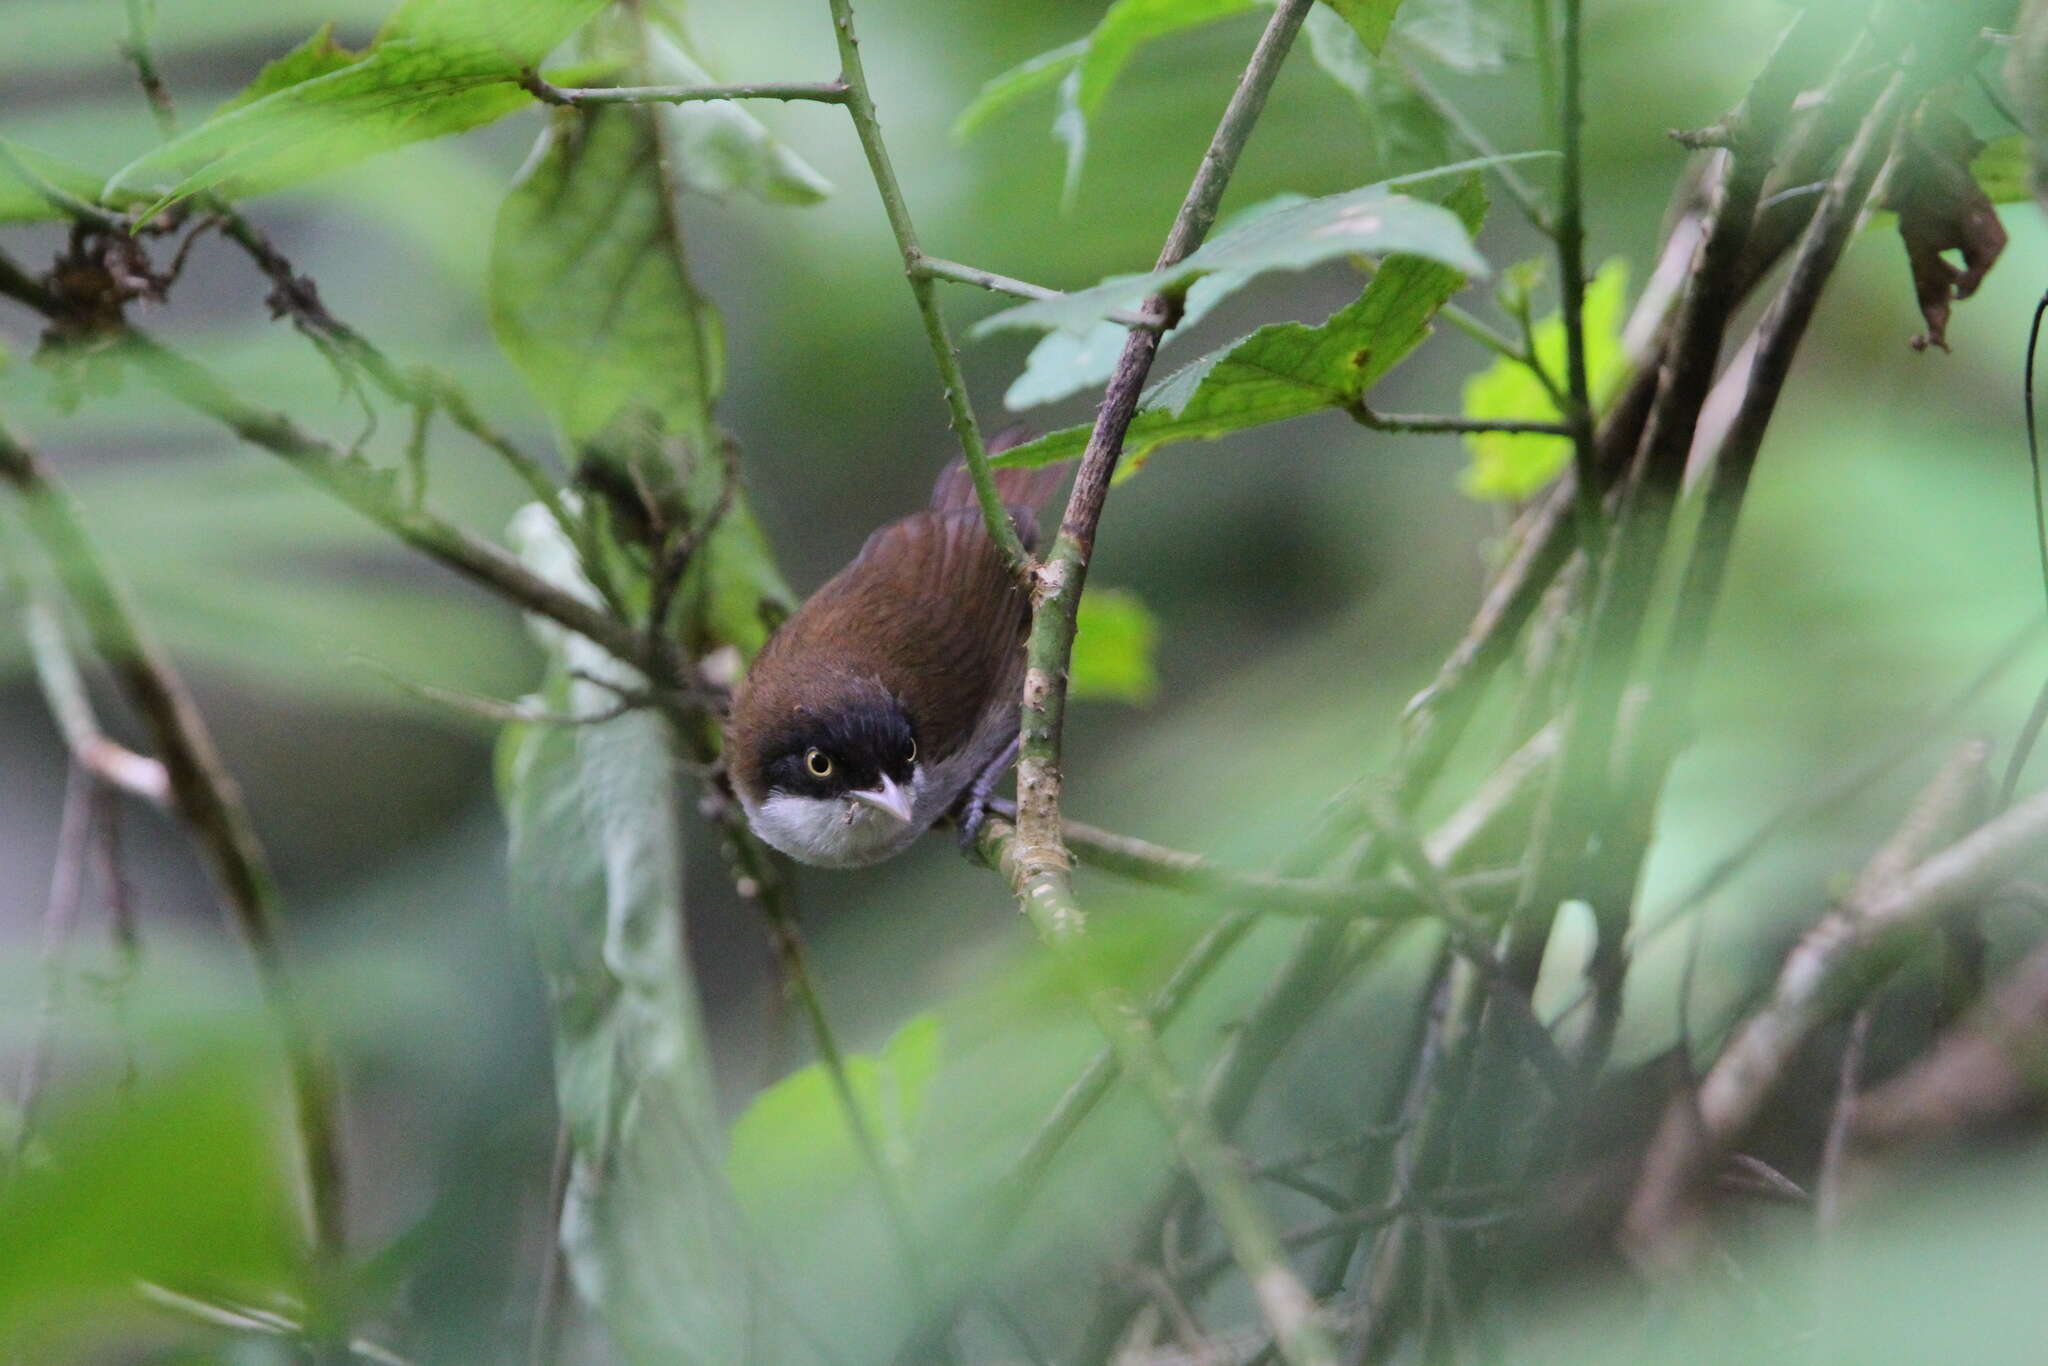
1814 801
60 915
1828 1185
136 48
125 938
65 694
1779 335
1519 190
421 389
1036 862
249 1319
1025 1176
822 92
1060 580
861 105
1571 285
938 268
1486 335
361 487
208 801
1472 939
1323 959
1178 870
551 1295
1419 424
1580 804
1213 1166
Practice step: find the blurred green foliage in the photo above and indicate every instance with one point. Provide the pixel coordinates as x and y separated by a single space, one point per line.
1300 581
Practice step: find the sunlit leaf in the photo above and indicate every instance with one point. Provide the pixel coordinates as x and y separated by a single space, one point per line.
1373 220
1513 467
1289 370
792 1148
2001 170
1115 636
648 1224
438 67
1063 363
1372 20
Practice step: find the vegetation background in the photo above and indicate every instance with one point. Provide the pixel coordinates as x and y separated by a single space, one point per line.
1304 579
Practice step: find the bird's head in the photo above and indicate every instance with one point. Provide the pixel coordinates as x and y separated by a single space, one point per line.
832 775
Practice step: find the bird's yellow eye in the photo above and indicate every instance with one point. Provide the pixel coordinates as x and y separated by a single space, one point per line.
911 757
818 762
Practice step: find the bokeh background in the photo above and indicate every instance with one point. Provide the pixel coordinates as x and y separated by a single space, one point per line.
1305 577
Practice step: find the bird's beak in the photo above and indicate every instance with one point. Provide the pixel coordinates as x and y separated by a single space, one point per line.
889 797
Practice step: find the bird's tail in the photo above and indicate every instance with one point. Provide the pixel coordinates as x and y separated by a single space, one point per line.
1024 491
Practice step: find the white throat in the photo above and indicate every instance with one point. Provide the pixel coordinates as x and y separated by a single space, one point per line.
835 832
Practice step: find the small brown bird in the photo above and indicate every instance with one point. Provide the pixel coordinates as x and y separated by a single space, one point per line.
892 693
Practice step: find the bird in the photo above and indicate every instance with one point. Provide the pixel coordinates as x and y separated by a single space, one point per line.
891 694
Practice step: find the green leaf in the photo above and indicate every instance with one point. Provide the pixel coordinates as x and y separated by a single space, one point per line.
318 56
1372 220
649 1228
1468 36
1508 467
1129 25
1289 370
1402 127
21 202
1085 70
1123 29
1372 20
793 1150
589 295
592 301
2002 170
1024 79
720 148
181 1183
1115 636
1062 363
438 67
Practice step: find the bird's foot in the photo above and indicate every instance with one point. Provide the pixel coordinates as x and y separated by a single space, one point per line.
972 811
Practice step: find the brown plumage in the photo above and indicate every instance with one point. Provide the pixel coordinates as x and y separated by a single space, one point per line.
925 630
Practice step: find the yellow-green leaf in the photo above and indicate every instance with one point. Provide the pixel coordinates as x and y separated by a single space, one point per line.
1115 635
1509 467
1371 19
438 67
793 1149
2001 170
